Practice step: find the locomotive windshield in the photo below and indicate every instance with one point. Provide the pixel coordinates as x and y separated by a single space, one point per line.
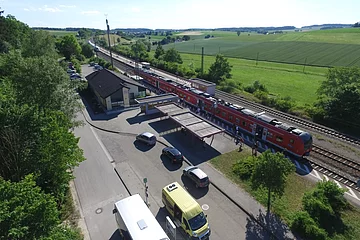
307 140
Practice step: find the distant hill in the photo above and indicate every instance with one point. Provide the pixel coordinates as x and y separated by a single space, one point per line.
72 29
133 29
328 26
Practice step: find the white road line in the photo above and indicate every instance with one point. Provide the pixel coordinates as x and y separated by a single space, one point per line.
317 174
102 146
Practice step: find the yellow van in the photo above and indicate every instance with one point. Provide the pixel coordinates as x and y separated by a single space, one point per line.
185 211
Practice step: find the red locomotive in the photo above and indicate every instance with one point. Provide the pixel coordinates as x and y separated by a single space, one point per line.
263 127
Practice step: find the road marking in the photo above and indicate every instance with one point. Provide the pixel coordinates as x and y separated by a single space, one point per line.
102 146
317 174
205 207
352 193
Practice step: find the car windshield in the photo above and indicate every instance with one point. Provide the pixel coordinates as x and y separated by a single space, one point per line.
197 222
203 180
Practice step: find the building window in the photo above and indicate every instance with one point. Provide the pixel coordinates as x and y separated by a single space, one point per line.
291 141
230 117
223 114
279 139
244 123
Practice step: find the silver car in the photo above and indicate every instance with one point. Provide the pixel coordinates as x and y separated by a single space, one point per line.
197 176
147 138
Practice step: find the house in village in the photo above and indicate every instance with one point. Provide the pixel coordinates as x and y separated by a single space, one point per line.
114 90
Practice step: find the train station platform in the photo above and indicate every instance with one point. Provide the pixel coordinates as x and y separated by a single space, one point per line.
198 126
148 104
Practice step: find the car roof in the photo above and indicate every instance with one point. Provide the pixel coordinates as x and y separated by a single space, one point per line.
173 150
147 134
199 173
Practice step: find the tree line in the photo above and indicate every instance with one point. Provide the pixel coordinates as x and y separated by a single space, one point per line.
37 149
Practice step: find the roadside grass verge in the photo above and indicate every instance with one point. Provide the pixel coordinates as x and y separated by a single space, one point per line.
291 201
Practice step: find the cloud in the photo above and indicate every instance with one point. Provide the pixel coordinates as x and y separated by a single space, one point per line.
45 8
67 6
49 9
92 12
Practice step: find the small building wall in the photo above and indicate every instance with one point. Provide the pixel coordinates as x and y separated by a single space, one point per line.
108 103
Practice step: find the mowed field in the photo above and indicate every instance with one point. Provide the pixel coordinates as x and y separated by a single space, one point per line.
62 33
338 47
280 79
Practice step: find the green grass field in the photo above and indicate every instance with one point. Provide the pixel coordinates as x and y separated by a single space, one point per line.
280 79
337 47
62 33
290 203
113 39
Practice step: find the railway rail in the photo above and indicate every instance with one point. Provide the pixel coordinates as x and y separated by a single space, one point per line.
337 167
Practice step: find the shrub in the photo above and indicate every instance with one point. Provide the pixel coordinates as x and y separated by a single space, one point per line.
306 227
244 167
230 86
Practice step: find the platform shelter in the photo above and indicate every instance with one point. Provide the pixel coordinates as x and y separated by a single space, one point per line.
148 104
198 126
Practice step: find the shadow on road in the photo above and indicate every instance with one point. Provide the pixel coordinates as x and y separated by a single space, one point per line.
189 185
115 235
139 118
168 164
142 146
274 224
190 146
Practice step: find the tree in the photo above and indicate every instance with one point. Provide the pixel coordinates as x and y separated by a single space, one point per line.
270 172
339 95
87 50
69 46
172 55
63 233
159 51
43 83
39 43
220 69
26 211
118 40
238 33
139 50
186 38
357 24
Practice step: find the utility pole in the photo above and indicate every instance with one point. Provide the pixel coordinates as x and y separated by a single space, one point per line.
108 33
202 60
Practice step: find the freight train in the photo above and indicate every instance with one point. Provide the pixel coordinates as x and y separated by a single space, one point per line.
262 127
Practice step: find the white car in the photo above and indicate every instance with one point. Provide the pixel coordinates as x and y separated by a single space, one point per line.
147 138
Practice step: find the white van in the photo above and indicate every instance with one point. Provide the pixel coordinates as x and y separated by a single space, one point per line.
135 220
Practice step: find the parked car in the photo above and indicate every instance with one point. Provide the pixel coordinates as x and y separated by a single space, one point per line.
75 76
92 64
174 154
147 138
71 71
97 67
196 175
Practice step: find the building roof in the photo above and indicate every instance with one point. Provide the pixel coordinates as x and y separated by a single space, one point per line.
106 82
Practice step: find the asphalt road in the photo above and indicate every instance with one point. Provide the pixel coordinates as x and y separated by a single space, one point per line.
100 187
97 186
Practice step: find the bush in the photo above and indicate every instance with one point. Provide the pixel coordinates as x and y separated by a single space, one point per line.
284 104
256 86
230 86
244 168
306 227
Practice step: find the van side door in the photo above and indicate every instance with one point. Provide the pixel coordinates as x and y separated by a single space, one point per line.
186 227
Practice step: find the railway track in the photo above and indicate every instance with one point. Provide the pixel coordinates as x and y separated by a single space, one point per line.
349 166
310 125
337 167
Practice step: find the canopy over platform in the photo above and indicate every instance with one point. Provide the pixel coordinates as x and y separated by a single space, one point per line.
199 126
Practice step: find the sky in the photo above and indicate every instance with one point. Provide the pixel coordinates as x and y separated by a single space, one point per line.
181 14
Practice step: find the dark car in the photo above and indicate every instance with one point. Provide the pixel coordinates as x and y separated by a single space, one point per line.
197 176
174 154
